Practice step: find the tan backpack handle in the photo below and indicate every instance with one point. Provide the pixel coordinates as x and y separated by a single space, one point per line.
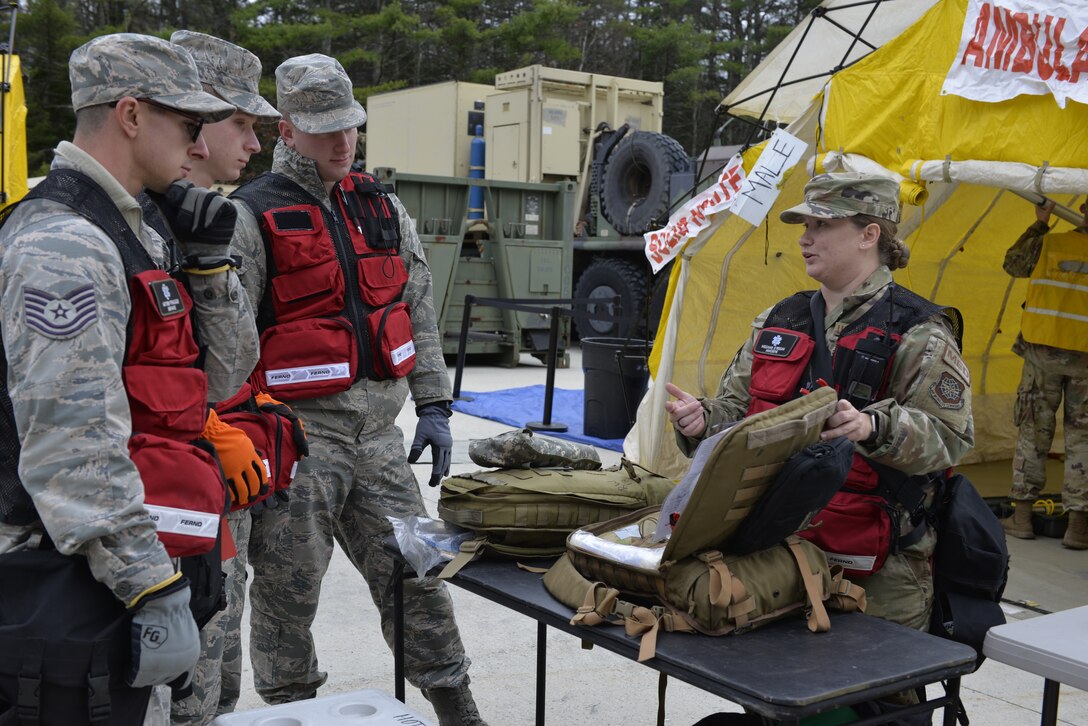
818 621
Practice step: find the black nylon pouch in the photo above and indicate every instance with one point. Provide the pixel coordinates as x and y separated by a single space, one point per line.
801 489
970 566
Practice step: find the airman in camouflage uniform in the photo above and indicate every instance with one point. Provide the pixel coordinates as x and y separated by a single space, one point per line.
923 424
138 104
356 473
232 73
1050 375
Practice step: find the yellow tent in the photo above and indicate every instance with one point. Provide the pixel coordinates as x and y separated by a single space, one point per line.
13 180
882 110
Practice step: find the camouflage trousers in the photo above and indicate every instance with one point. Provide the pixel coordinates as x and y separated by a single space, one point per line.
903 589
343 492
1038 398
218 677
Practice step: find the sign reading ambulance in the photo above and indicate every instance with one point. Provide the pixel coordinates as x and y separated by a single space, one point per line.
1013 47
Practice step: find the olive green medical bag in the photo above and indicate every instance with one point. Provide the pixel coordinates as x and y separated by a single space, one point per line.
530 512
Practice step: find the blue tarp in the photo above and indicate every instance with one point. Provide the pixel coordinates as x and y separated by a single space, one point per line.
519 406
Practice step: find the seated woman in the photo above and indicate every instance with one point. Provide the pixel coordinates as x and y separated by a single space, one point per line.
904 390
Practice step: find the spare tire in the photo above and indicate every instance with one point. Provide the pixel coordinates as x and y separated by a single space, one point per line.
605 279
635 187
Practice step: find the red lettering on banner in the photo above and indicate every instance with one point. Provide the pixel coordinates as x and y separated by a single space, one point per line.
1025 56
1053 47
974 47
1080 62
1003 41
1022 44
733 177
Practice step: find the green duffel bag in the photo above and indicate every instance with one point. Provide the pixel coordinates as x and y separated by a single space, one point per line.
530 512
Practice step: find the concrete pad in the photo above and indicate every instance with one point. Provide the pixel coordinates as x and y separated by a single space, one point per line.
599 687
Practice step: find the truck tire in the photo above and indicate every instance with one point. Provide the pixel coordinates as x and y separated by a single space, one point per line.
604 279
635 187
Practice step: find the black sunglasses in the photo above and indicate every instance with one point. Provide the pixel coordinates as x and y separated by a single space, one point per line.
194 124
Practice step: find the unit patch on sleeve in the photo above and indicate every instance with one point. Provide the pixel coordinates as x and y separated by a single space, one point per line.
60 317
776 343
948 391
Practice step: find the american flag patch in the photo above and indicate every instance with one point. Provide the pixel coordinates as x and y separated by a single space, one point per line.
60 317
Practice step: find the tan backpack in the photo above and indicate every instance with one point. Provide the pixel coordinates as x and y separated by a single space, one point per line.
615 572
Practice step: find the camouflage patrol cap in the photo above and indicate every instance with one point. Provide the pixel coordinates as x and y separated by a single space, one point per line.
836 196
315 91
232 71
111 67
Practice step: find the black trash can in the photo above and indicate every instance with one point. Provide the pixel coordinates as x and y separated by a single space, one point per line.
617 375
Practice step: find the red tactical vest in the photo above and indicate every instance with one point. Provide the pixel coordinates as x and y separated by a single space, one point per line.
184 489
859 526
332 312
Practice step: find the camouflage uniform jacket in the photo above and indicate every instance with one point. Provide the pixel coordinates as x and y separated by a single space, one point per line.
921 428
66 389
366 399
1020 261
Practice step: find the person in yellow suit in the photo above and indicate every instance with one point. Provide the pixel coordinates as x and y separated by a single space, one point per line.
1053 342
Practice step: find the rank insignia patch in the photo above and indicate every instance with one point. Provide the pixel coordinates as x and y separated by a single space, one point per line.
60 317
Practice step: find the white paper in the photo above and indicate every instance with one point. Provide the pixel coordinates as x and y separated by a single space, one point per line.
762 186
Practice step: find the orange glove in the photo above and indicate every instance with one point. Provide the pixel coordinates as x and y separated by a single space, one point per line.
243 467
298 431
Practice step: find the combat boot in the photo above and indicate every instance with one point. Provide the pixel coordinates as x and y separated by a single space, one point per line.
1019 524
1076 533
454 706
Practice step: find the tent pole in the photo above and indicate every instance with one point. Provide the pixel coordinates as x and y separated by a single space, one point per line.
1075 219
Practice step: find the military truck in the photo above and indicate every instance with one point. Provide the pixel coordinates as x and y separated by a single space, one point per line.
575 170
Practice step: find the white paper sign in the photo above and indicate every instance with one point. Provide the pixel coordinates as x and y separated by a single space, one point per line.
1015 47
664 244
761 188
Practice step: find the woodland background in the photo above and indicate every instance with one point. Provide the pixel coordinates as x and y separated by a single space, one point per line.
700 50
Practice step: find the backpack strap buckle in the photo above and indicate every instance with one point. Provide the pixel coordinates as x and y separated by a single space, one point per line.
98 684
28 699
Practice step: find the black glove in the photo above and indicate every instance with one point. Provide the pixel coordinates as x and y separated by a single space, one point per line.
298 430
165 639
202 220
433 430
277 498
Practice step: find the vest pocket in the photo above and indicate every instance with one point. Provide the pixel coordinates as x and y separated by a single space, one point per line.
167 401
183 490
381 279
308 292
298 237
855 531
776 375
307 358
161 331
393 348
